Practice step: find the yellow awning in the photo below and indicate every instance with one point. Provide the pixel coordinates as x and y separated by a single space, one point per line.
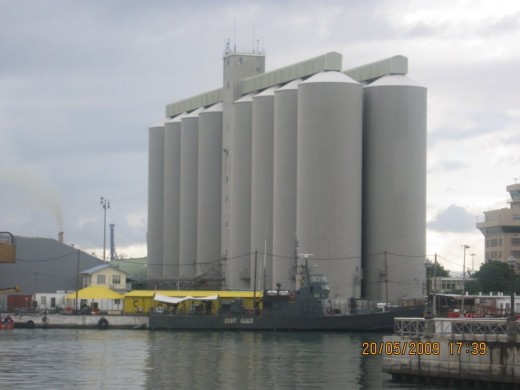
95 292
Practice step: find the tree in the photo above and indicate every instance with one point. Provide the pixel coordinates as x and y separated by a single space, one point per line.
473 287
495 276
437 270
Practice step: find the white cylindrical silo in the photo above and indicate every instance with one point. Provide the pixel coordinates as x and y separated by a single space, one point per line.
329 179
155 201
209 188
188 194
394 188
284 184
262 188
172 166
237 264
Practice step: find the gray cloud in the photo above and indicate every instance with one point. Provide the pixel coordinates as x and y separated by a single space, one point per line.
453 219
80 82
447 166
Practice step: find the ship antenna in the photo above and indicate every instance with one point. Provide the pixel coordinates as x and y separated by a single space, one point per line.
305 266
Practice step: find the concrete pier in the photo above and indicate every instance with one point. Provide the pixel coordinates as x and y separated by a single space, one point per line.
452 351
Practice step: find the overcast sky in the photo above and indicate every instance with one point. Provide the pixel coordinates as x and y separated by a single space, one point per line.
81 82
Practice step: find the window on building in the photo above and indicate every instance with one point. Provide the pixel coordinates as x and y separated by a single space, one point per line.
100 279
515 241
116 279
43 300
516 254
493 242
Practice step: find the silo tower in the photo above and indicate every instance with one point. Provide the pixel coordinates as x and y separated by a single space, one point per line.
172 175
329 178
155 200
394 188
189 194
262 187
209 188
237 269
284 184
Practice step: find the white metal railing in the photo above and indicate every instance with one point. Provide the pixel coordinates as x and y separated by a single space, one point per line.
414 327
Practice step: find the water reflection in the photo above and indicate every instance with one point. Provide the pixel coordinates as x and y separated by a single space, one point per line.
72 359
259 360
112 359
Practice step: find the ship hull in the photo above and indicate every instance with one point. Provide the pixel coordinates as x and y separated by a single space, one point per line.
378 321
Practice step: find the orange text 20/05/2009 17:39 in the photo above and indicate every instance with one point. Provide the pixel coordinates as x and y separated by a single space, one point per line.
413 348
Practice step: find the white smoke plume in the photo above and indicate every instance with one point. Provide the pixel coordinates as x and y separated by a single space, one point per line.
35 190
29 184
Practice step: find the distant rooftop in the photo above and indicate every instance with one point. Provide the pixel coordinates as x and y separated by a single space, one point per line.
101 267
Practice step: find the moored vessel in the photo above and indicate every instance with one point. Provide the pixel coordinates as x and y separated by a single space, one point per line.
306 309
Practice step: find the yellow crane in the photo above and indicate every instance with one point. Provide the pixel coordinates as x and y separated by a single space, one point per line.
6 290
7 248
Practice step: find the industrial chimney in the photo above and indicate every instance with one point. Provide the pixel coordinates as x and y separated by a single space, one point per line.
112 243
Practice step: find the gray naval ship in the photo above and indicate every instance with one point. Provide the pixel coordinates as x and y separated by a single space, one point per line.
306 309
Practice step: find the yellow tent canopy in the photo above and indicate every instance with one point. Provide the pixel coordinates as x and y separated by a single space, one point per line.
95 292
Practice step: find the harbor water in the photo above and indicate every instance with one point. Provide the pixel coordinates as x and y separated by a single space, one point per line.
140 359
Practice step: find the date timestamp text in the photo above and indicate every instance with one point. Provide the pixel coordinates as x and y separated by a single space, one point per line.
414 348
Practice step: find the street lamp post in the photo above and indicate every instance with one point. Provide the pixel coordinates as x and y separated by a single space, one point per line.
105 203
464 277
428 265
472 261
511 261
435 269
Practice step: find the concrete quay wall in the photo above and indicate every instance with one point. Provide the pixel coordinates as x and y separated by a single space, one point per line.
65 321
453 351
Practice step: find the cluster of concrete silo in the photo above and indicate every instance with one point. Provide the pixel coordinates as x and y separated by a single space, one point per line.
184 193
318 163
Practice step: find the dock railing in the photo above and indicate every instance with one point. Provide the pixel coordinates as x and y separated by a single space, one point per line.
454 328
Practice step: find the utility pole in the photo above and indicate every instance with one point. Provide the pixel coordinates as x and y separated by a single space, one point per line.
435 286
105 203
463 276
77 282
386 281
254 283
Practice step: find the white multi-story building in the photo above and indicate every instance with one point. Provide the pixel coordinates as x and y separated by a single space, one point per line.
501 229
